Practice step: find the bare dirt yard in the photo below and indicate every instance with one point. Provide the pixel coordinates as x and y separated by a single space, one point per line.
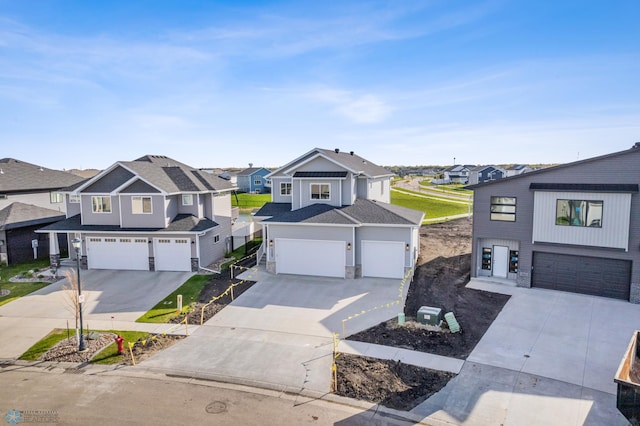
441 275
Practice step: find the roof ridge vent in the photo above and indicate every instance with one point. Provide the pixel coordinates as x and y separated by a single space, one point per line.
337 150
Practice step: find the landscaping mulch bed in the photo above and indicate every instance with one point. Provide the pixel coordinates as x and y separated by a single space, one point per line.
151 346
67 349
216 286
389 383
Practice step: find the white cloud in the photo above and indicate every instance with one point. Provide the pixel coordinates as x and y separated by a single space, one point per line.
359 108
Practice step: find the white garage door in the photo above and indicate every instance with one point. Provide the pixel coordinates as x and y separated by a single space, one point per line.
172 254
118 253
310 257
383 259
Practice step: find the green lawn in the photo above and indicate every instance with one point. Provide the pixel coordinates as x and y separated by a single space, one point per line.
166 308
250 201
108 355
432 208
20 289
454 188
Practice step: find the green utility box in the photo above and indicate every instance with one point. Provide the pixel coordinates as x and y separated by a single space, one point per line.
429 315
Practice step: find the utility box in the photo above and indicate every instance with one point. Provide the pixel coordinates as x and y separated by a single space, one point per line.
429 315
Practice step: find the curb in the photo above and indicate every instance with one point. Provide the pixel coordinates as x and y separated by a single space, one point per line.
221 380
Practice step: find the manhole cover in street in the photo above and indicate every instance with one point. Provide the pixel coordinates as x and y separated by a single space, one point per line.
216 407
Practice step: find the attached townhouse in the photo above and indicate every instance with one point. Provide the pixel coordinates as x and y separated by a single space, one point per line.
152 214
30 197
573 227
331 216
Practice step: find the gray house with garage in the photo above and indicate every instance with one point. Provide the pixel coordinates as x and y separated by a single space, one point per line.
153 213
331 216
573 227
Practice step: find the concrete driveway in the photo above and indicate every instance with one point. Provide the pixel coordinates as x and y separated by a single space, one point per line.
279 334
548 358
123 295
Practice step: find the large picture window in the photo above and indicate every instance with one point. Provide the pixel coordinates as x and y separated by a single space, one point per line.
285 188
503 209
579 213
101 204
320 191
141 205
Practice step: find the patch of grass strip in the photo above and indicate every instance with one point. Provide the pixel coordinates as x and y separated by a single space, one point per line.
432 208
165 310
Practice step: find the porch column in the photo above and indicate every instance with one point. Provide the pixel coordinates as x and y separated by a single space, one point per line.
54 250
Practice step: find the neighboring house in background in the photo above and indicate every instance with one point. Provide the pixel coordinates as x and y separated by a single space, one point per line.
330 216
456 174
252 180
481 174
573 227
29 197
153 214
518 169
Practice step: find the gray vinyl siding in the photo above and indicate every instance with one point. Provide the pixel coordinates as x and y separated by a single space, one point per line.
109 182
171 208
208 206
40 199
222 208
348 190
193 209
362 189
616 169
305 191
327 233
91 218
275 190
376 233
210 251
154 220
72 208
320 164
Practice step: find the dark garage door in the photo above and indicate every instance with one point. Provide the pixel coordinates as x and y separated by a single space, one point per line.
581 274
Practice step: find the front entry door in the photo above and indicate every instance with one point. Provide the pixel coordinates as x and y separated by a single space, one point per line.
500 261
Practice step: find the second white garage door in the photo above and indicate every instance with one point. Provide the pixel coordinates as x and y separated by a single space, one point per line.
118 253
172 254
311 257
383 259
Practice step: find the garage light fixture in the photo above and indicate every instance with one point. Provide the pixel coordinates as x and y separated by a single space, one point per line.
1 242
348 246
270 243
407 247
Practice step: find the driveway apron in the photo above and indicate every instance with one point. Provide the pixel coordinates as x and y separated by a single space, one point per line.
279 333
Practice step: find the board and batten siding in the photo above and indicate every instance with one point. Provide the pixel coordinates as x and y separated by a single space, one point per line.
614 232
489 243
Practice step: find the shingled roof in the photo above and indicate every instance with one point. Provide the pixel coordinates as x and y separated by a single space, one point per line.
19 215
164 173
362 212
181 223
18 176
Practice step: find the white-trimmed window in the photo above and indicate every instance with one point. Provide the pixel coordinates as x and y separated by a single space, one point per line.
216 239
257 180
55 197
285 188
141 205
74 198
101 204
320 191
187 199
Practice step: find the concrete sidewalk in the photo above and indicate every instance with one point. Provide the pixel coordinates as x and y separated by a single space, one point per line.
419 359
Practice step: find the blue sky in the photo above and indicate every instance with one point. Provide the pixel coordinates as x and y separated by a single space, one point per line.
217 84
